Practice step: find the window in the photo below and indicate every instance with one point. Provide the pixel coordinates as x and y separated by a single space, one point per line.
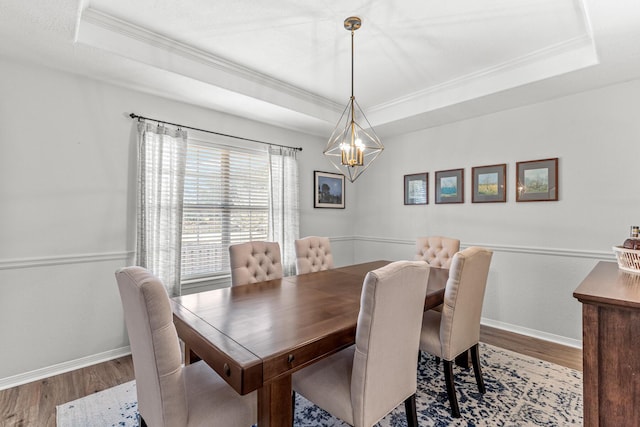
226 201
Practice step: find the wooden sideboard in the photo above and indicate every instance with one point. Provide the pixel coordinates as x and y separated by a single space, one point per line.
611 346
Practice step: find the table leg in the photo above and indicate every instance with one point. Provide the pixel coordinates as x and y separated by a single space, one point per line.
274 403
189 356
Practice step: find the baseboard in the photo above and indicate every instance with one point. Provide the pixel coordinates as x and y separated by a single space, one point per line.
532 333
61 368
83 362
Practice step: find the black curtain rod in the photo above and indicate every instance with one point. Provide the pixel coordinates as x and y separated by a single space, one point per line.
135 116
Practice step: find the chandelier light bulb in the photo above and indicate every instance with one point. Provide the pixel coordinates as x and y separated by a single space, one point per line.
349 141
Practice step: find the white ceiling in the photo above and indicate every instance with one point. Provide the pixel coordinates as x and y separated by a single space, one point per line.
418 63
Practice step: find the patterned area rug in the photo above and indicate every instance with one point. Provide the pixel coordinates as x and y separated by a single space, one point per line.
521 391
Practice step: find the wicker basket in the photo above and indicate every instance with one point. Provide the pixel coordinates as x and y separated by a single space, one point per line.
628 259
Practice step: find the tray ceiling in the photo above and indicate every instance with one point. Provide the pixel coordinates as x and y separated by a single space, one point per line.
418 63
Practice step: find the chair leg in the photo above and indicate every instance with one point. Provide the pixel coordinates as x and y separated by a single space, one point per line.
451 390
410 410
475 359
462 359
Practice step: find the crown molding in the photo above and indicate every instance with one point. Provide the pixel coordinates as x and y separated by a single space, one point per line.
252 94
94 22
583 44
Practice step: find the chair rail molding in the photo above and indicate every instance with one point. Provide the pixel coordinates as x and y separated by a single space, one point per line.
521 249
12 264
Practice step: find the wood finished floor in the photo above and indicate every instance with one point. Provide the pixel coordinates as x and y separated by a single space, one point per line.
34 404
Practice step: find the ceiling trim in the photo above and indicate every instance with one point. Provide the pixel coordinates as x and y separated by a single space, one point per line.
571 45
93 20
575 54
269 99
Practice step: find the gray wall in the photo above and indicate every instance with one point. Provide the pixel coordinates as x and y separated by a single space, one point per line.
67 210
544 249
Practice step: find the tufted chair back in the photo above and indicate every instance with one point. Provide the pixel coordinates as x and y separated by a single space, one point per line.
253 262
366 381
170 394
313 254
437 251
154 347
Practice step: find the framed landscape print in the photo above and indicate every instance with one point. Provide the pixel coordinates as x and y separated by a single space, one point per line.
450 186
328 190
416 189
489 184
537 180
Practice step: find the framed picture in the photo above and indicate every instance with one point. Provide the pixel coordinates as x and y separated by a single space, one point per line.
489 184
329 190
450 186
537 180
416 189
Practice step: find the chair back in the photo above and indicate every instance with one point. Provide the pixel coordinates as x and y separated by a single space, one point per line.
253 262
313 254
154 347
463 299
438 251
387 339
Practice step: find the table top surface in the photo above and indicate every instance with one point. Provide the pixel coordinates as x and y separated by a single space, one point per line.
272 328
607 284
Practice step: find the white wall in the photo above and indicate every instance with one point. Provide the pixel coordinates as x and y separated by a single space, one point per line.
67 211
67 206
544 249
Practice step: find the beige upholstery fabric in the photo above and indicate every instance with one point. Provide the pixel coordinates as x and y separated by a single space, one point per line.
457 328
170 395
253 262
363 383
438 251
313 254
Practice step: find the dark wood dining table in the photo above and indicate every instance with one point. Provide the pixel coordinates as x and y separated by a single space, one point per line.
255 336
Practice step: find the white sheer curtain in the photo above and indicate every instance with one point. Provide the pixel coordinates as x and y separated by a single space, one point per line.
284 205
161 170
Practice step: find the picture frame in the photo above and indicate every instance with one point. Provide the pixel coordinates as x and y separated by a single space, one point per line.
537 180
416 189
328 190
449 186
489 184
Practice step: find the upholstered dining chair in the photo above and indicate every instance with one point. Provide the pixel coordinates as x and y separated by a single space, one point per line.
363 383
169 394
438 251
253 262
456 329
313 254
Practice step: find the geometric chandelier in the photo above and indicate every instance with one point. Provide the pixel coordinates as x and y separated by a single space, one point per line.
353 145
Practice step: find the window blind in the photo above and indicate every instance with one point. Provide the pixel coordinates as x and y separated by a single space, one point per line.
226 201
